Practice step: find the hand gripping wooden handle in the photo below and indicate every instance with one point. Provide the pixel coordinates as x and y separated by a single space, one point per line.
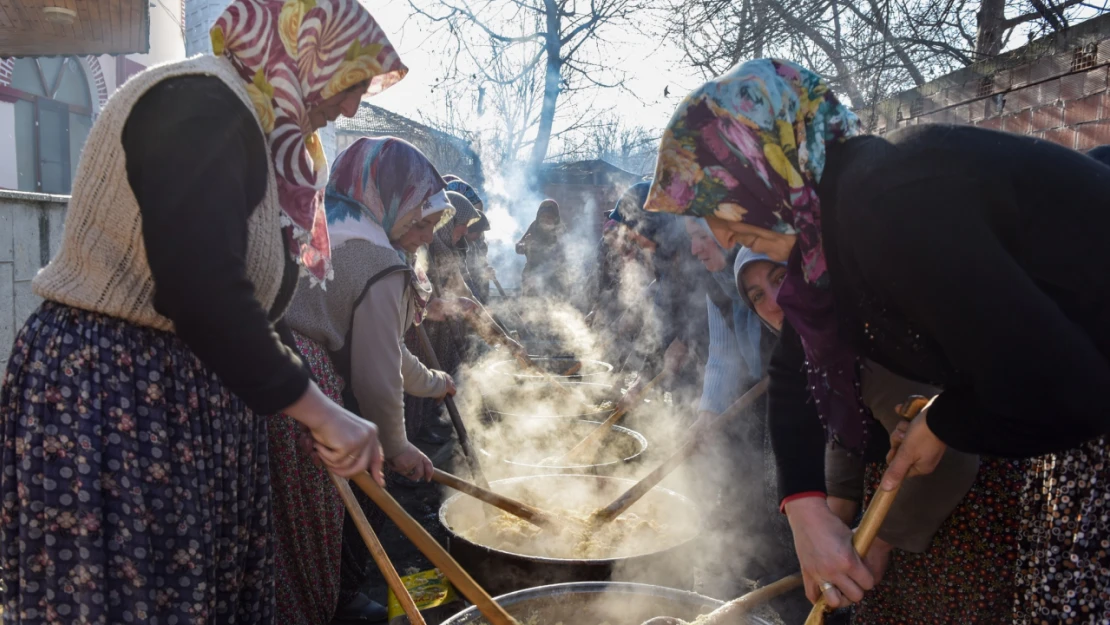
874 516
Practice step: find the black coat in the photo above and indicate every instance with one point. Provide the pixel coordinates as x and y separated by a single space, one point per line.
973 260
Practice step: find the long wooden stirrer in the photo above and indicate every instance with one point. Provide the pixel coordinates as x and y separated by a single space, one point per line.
456 418
593 440
731 611
497 284
392 578
493 334
873 518
432 550
533 515
641 488
575 368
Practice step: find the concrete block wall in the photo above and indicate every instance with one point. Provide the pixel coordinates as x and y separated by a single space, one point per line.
30 234
1056 88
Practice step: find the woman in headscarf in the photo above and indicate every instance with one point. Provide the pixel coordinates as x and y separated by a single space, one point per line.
447 336
134 470
545 271
674 329
744 514
923 250
946 547
472 246
384 200
477 262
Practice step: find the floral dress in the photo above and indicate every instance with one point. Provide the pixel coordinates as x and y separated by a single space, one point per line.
116 440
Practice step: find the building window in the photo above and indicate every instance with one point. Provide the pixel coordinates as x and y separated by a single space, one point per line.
917 107
53 116
1084 57
986 87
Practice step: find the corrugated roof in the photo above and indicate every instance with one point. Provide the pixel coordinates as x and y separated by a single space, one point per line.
450 154
596 172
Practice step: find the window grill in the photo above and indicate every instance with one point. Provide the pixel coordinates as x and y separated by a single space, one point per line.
917 108
986 87
1084 57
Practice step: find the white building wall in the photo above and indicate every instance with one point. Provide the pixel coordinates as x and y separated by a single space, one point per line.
9 176
167 34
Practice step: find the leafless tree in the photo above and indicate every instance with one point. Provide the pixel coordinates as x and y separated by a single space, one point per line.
562 43
866 48
630 147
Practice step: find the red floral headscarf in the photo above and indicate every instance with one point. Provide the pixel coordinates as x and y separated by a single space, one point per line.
294 54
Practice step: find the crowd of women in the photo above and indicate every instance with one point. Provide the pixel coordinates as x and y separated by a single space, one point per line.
171 411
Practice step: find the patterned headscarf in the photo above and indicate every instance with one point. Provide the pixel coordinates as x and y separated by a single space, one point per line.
294 54
462 186
465 212
749 146
482 225
378 188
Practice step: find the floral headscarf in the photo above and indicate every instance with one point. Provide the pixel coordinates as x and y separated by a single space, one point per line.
378 188
461 186
294 54
750 146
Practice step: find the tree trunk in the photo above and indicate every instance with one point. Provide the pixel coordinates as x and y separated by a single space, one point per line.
988 38
552 85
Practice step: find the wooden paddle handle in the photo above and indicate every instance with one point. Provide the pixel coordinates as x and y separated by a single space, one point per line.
729 612
535 516
594 438
493 334
641 488
874 516
575 368
432 550
452 410
392 579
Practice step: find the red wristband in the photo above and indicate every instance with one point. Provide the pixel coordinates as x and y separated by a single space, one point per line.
808 493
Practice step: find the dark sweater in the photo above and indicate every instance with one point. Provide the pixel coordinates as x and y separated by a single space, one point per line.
973 260
197 163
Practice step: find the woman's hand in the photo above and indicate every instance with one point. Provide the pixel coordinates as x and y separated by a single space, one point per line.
412 463
516 349
878 558
915 450
448 390
632 395
674 358
436 310
439 309
344 442
824 547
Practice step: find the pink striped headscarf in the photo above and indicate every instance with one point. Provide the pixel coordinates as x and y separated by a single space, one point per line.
294 54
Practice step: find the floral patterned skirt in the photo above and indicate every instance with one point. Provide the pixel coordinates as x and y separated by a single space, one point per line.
1065 568
968 573
134 486
308 512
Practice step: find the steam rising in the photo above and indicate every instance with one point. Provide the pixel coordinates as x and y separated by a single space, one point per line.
517 420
